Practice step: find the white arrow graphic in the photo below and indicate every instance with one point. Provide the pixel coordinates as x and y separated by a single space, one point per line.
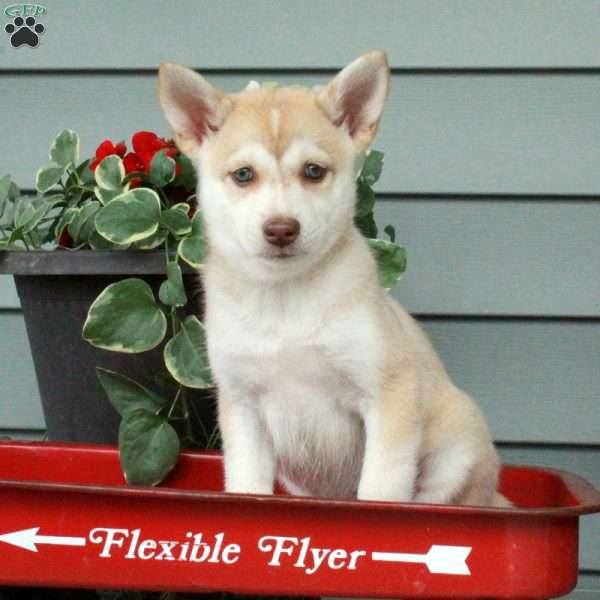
28 538
448 560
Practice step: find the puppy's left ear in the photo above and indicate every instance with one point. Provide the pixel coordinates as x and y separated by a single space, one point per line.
354 98
194 108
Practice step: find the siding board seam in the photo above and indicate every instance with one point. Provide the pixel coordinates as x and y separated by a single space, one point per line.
467 71
580 447
404 196
408 196
590 319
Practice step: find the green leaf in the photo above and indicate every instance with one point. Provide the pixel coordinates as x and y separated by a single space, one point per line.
110 172
367 226
15 236
29 213
36 238
75 224
365 199
106 196
152 241
8 190
65 219
4 187
149 447
391 261
127 395
389 229
20 206
40 210
73 197
185 355
4 190
162 169
176 220
24 212
49 176
192 249
97 242
132 216
88 226
125 318
171 291
64 150
85 174
372 167
82 224
187 178
13 192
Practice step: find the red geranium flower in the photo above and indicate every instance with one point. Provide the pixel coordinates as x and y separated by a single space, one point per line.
132 162
65 239
106 148
146 144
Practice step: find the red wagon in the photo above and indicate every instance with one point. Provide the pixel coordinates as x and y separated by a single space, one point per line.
69 520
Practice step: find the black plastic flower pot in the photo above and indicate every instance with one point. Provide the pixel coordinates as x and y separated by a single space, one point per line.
56 290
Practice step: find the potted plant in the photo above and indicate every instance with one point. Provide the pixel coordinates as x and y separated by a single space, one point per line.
106 261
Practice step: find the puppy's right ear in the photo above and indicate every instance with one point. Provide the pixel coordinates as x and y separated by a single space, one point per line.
193 107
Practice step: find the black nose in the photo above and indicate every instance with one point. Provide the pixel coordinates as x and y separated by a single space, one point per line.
281 231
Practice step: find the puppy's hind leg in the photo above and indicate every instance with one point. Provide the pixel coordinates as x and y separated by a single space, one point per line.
456 475
460 465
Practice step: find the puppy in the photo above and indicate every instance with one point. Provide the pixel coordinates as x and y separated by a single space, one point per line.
325 383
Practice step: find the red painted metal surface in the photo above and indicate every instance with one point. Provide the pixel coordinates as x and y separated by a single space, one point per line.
68 519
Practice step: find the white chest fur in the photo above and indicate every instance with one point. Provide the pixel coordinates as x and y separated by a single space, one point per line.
306 371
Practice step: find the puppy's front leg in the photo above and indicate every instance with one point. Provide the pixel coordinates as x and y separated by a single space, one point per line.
247 450
393 437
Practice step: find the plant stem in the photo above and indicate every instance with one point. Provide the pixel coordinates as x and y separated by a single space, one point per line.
134 175
163 197
186 415
174 403
82 187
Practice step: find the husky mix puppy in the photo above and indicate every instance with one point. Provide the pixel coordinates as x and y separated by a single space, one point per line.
325 383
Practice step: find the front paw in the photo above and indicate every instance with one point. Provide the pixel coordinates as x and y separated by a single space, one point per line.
241 486
385 494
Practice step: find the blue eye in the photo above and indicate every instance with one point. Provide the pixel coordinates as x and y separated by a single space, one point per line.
243 176
314 172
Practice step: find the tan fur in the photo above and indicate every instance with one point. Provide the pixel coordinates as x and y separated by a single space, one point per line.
250 119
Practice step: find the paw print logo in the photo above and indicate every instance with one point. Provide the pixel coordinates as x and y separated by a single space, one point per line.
24 31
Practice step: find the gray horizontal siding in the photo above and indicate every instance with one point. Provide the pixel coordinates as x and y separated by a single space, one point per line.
447 134
488 258
498 258
588 587
8 293
33 435
516 370
536 381
455 33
